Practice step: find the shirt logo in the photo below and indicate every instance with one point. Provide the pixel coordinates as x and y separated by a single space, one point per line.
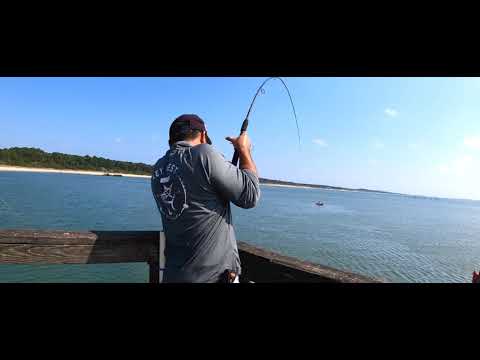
170 192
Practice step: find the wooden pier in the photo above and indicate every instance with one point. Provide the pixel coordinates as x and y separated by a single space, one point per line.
94 247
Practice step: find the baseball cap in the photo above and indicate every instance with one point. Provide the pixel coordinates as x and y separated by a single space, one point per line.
187 122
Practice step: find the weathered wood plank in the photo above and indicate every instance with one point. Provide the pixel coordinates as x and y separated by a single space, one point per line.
162 259
74 254
57 237
62 247
261 265
154 262
154 273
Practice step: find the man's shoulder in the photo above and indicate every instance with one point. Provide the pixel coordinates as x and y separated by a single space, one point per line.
162 162
203 148
206 150
159 162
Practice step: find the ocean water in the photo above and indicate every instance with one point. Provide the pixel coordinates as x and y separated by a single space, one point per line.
393 237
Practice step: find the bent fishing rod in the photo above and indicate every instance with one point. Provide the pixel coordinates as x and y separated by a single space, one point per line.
245 122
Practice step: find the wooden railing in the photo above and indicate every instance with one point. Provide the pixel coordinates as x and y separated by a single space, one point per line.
93 247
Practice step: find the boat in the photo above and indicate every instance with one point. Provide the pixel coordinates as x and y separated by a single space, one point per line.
318 203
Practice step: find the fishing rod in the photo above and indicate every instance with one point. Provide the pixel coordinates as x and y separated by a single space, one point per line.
245 122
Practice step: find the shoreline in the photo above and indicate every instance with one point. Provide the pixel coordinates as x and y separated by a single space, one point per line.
99 173
61 171
289 186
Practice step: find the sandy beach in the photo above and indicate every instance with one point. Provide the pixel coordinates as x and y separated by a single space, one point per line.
99 173
81 172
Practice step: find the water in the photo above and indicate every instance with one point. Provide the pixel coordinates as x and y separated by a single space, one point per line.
393 237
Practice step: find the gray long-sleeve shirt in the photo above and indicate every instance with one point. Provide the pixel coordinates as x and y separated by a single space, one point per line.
193 188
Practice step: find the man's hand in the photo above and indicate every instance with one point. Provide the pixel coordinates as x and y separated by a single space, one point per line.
241 143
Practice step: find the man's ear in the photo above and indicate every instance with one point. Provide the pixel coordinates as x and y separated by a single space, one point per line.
203 137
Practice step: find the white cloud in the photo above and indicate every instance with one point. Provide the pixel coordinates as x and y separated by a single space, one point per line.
463 165
118 140
378 145
459 177
472 142
444 169
320 142
460 166
391 112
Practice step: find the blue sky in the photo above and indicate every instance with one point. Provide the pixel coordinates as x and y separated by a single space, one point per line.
410 135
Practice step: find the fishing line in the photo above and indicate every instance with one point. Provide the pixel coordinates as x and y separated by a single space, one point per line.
262 91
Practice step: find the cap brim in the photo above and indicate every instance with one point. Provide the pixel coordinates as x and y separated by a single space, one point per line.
209 142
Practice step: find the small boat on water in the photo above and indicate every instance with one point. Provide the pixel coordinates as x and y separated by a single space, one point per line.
318 203
107 174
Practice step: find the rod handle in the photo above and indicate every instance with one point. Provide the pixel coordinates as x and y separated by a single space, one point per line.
242 130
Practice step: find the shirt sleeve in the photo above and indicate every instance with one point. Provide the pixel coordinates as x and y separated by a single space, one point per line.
241 187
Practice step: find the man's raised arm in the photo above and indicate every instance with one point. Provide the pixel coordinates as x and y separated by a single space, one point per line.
241 185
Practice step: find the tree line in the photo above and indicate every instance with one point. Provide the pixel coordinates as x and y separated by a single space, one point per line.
33 157
37 158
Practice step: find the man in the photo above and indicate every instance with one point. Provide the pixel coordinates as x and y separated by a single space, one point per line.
193 186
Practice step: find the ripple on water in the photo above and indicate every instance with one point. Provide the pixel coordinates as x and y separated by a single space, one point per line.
391 237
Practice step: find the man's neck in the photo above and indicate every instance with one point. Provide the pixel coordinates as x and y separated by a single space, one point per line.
191 143
194 142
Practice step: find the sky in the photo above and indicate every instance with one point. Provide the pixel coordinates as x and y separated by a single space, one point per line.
410 135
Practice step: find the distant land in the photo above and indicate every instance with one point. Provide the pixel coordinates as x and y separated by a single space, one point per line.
37 158
327 187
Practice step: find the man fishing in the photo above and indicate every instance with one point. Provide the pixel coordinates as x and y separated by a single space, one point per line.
193 186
